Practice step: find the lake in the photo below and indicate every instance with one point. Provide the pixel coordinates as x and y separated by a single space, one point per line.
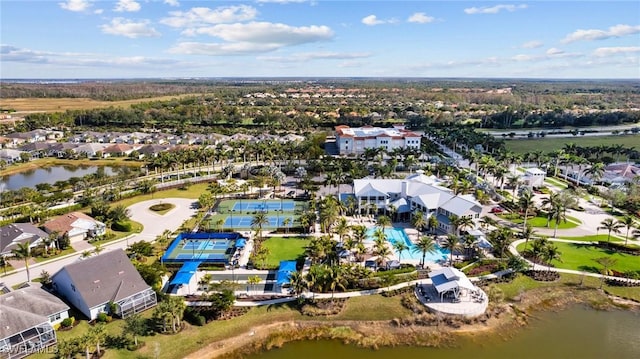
578 332
49 175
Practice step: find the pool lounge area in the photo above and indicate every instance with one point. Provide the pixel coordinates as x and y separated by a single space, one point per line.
396 234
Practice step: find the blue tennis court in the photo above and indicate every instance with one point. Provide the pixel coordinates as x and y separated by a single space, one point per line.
265 206
245 221
204 247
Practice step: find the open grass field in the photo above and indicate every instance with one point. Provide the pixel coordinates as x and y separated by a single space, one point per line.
593 238
582 257
541 221
63 104
552 144
284 249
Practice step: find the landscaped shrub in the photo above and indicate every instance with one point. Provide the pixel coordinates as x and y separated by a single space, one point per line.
68 322
161 207
124 226
543 275
103 318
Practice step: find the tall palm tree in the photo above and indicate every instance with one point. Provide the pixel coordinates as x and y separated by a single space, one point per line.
258 222
341 228
418 221
526 204
611 226
606 263
527 233
23 251
596 171
400 247
551 253
297 283
424 245
384 222
628 222
452 243
335 279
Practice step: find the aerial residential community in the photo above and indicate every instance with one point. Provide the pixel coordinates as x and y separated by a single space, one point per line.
198 180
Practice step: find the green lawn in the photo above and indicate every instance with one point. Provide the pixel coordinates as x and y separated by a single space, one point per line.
194 191
593 238
284 249
541 221
551 144
50 257
556 183
582 257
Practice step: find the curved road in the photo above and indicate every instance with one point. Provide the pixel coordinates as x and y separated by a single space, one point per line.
153 225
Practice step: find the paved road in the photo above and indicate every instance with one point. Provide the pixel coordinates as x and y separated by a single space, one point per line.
153 225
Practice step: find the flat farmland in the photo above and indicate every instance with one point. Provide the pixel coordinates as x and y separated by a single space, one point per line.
551 144
29 105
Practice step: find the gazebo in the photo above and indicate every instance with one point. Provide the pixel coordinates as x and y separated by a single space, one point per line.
450 280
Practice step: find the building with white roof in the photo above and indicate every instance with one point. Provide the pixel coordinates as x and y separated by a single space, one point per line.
416 192
355 140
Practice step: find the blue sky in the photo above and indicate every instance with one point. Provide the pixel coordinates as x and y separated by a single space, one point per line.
265 38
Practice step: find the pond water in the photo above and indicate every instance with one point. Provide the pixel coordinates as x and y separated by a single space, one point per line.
50 175
574 333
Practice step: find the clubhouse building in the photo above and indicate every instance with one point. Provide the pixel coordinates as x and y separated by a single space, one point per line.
354 140
416 192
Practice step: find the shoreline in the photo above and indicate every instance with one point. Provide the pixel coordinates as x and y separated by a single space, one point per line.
50 162
375 334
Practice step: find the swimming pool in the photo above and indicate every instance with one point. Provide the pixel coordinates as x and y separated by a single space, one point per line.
398 234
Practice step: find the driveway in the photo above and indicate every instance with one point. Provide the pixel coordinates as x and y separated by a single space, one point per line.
153 225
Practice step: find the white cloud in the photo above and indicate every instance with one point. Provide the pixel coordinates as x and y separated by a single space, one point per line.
308 56
612 51
373 20
254 37
554 51
200 16
421 18
75 5
494 9
172 2
127 6
98 11
532 44
595 34
129 28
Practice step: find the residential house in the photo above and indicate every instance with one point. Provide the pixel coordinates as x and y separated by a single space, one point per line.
76 225
417 192
620 173
30 136
37 149
27 318
356 140
106 283
11 156
12 234
90 149
117 150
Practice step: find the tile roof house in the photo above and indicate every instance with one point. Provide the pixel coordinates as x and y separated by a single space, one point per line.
76 225
92 284
11 156
354 140
27 317
12 234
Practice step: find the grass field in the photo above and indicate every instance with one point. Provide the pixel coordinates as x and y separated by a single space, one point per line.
284 249
593 238
552 144
541 221
63 104
582 257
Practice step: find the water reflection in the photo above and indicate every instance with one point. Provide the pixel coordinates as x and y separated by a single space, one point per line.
53 174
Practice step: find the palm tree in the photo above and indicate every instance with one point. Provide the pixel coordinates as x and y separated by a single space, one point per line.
297 283
424 245
627 222
400 247
551 253
500 239
461 223
384 222
418 221
23 251
341 228
259 220
606 263
527 233
611 226
452 243
596 171
335 279
526 204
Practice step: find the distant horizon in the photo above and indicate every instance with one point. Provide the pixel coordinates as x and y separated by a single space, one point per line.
125 39
307 78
